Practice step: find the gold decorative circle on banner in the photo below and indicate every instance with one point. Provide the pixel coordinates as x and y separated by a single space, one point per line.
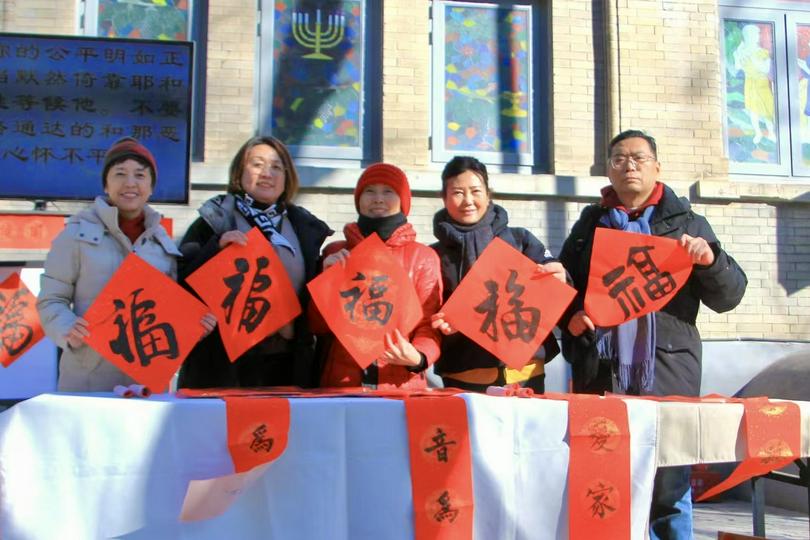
773 409
601 499
774 450
603 433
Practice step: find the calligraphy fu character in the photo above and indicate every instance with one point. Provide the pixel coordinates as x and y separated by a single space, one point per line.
262 185
383 198
468 223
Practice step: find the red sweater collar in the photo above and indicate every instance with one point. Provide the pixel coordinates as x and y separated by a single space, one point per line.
133 228
610 199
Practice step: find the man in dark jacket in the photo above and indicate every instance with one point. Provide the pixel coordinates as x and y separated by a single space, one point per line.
636 201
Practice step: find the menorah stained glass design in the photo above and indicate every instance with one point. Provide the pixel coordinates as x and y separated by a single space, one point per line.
318 62
321 36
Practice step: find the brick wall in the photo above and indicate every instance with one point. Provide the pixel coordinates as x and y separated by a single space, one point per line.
578 91
38 16
670 80
230 117
406 83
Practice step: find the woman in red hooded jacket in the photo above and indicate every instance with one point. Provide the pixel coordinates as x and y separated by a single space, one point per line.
383 199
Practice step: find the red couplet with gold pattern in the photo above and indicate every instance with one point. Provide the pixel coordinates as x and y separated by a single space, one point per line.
599 497
441 468
773 434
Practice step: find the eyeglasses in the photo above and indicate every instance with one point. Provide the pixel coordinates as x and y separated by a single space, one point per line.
275 169
620 161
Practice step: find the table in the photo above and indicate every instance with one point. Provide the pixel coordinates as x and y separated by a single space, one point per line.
97 466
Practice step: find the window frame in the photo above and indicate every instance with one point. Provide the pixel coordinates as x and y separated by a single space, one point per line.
792 20
538 155
781 98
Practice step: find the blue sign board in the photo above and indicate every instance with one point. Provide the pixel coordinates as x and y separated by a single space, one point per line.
64 100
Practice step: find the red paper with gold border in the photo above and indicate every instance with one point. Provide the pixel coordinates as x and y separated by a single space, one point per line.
441 468
166 323
236 274
773 436
633 274
502 309
258 429
599 496
368 298
20 328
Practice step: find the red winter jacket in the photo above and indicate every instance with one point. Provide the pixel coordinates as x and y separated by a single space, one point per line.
422 265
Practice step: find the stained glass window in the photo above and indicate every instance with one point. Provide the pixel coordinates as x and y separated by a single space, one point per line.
753 127
317 77
174 20
483 88
147 19
766 61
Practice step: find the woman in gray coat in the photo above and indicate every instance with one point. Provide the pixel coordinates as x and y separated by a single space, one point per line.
87 253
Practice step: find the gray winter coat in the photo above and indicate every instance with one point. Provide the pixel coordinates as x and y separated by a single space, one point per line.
81 261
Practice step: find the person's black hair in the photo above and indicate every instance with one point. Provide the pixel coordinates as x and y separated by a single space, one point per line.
460 164
630 134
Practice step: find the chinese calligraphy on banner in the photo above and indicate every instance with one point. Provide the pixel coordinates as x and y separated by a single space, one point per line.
633 274
599 496
368 298
500 307
144 323
257 430
441 467
248 289
19 322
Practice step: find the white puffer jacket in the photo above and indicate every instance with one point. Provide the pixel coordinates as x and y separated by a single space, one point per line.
81 261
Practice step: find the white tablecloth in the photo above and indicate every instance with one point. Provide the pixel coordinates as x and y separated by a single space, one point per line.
103 467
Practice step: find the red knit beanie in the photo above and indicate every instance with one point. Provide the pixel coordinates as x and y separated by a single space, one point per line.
390 175
128 148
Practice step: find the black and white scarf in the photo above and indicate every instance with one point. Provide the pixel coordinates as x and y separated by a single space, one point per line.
268 220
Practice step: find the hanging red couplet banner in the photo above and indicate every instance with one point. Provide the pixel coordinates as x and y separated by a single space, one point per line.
441 467
258 429
368 298
773 435
249 291
500 307
144 323
20 328
27 231
633 274
599 497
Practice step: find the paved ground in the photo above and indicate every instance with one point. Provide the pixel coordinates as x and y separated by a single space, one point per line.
735 516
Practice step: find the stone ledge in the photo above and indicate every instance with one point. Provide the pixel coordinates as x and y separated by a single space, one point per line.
729 190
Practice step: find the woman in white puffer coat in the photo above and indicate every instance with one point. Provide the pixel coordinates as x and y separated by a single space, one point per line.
87 253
